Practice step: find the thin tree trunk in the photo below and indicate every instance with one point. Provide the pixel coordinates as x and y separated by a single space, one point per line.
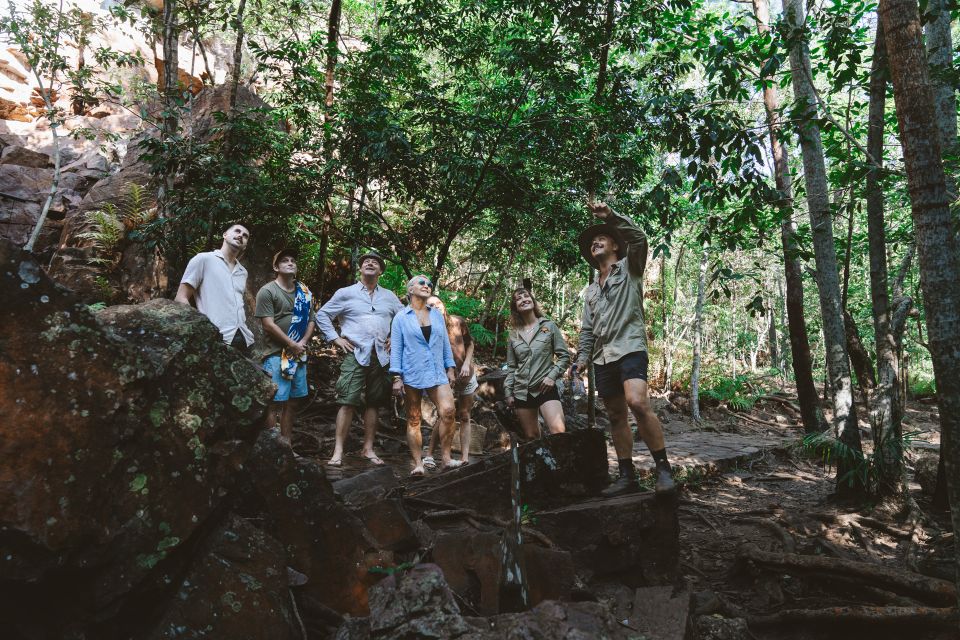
698 338
171 96
811 414
885 405
55 183
936 241
333 36
237 55
818 203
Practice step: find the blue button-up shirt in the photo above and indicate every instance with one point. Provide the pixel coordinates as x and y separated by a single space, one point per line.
421 365
364 320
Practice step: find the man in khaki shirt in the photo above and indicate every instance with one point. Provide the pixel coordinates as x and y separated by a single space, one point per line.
613 336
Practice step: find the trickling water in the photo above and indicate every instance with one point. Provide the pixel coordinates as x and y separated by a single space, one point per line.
514 595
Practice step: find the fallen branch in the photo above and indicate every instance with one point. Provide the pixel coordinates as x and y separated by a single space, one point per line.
789 544
920 616
787 403
768 423
898 581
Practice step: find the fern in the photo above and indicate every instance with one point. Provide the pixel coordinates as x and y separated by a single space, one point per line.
105 233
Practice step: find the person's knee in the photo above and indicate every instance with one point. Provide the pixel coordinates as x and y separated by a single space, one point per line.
413 422
446 412
463 416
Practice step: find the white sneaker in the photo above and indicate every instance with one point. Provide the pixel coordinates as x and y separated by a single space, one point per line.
429 462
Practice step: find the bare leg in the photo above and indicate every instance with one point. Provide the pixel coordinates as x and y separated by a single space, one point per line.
414 439
371 416
271 420
529 423
619 426
432 444
464 404
442 397
286 419
552 412
648 425
344 418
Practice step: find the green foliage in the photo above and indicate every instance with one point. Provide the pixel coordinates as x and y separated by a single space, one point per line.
105 233
737 392
481 335
862 469
922 386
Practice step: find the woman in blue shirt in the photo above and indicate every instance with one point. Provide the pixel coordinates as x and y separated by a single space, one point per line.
421 360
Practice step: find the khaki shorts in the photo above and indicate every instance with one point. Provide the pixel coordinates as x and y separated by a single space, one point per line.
360 386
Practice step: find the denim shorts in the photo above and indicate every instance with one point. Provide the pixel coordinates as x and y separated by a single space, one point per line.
286 389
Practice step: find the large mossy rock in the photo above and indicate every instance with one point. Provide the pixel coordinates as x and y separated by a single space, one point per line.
120 435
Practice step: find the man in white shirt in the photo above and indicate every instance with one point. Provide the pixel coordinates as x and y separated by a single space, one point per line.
217 281
364 311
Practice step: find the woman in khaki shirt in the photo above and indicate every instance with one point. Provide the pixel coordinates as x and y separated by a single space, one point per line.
537 357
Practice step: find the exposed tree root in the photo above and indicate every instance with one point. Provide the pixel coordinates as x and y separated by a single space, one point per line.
478 517
926 589
917 617
786 539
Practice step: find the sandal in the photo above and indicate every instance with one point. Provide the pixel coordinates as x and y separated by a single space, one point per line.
374 460
429 462
334 463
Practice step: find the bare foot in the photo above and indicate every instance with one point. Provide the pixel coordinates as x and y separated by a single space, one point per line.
417 471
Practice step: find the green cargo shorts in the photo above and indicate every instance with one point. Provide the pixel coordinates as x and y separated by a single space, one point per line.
360 386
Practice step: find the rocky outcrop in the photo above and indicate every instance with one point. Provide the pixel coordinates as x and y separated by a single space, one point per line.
139 495
419 604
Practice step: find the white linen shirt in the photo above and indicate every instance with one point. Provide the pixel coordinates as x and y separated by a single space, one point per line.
220 293
364 320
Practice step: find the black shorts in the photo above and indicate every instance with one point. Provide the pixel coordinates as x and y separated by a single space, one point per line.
611 376
534 402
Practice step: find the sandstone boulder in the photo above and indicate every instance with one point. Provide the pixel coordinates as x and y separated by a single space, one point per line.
120 437
24 157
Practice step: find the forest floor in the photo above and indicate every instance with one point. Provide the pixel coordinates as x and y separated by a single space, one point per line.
755 506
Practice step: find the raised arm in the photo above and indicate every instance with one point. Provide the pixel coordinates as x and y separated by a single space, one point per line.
635 238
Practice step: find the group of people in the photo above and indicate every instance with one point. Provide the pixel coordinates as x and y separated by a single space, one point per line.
419 349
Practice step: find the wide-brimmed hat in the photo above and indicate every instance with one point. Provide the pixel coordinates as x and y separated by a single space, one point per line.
283 253
376 256
588 234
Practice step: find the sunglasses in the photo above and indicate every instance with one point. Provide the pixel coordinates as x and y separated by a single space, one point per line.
422 282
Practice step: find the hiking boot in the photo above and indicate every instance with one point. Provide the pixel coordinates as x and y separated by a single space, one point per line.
621 487
665 484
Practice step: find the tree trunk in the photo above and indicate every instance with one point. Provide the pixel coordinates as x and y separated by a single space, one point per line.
859 358
849 450
811 414
885 406
171 96
55 183
934 230
237 55
333 36
939 42
698 338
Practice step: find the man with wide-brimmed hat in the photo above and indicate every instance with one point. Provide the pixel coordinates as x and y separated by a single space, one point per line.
285 309
613 336
364 311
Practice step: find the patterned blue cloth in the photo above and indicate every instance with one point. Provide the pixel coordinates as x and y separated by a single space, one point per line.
421 365
302 305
